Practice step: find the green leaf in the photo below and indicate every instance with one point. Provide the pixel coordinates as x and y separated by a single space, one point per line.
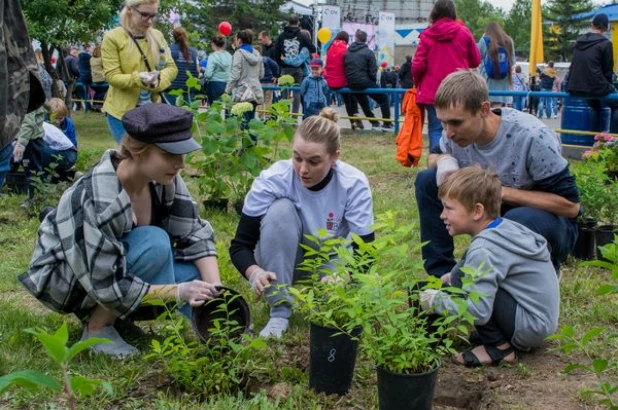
84 386
28 379
62 334
80 346
606 290
53 346
591 334
572 367
599 365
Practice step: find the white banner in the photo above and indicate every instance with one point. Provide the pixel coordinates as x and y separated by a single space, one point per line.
331 17
386 38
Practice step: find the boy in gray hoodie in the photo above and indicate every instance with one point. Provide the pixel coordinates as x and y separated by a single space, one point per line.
520 297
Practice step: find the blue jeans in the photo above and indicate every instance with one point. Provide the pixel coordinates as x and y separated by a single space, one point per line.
518 102
5 162
214 90
115 128
150 256
547 102
560 232
434 127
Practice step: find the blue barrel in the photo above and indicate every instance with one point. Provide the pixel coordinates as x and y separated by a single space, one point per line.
577 116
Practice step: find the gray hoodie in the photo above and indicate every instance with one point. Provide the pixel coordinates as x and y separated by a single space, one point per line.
519 263
247 68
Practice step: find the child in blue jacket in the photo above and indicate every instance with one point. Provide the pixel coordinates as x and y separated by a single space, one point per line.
314 91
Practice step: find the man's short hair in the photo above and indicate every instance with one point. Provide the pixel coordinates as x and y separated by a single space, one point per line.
360 36
463 87
294 20
474 185
264 34
550 64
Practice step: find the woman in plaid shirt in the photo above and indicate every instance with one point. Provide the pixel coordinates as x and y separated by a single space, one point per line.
127 229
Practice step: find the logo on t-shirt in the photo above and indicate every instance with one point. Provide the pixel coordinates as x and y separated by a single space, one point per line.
291 47
332 222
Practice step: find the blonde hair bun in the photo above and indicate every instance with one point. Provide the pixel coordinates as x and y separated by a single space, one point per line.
330 114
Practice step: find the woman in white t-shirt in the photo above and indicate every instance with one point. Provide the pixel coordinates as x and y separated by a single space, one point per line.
310 192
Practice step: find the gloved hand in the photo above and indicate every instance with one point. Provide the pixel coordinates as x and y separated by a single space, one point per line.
446 279
428 297
146 77
154 82
335 278
260 279
18 152
446 166
195 292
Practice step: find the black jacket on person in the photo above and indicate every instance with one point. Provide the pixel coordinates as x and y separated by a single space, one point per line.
360 66
592 65
269 51
289 43
405 75
388 79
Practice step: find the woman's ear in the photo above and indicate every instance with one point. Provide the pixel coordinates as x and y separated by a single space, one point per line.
336 156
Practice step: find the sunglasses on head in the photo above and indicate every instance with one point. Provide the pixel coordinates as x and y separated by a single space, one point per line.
145 16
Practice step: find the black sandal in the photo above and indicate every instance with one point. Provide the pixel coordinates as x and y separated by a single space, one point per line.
496 355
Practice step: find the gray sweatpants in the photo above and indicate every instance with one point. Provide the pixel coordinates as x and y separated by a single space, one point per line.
279 251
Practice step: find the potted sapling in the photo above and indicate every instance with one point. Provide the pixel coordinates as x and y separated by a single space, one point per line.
589 176
405 342
327 299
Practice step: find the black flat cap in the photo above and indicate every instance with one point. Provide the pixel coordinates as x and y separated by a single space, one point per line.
166 126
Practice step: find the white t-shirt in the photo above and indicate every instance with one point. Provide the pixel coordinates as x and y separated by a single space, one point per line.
55 138
344 205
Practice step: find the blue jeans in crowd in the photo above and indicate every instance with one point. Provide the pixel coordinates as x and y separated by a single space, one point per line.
5 162
545 102
150 256
214 90
115 128
560 232
434 127
518 102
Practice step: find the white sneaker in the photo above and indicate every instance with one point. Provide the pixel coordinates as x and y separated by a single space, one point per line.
555 116
275 327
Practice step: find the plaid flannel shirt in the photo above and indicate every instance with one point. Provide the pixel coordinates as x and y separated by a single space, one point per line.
79 259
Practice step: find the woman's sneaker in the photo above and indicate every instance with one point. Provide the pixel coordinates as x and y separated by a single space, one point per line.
275 327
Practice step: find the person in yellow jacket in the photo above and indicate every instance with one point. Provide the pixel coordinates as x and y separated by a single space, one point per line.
137 63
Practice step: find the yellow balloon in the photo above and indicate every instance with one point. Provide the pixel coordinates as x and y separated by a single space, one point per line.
324 34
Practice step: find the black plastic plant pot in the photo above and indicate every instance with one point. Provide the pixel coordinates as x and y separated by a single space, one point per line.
406 391
331 359
16 182
603 236
584 248
230 309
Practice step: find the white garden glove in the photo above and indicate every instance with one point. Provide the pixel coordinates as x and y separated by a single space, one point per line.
260 279
446 166
18 152
195 292
147 78
428 297
446 279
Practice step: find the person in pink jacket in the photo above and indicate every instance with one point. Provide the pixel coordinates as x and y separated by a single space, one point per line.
334 73
445 46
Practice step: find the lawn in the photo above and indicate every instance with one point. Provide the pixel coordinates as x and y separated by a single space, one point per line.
536 382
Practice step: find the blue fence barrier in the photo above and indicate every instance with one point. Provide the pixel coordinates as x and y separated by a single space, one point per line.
397 92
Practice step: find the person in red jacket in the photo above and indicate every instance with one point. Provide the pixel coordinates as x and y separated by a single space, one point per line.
334 73
445 46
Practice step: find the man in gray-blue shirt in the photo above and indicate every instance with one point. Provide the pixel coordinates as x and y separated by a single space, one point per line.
538 191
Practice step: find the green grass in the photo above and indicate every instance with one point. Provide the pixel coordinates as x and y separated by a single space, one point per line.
138 384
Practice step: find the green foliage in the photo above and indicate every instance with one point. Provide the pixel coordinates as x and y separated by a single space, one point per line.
517 25
230 160
606 390
219 365
383 298
597 191
559 37
477 14
72 386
